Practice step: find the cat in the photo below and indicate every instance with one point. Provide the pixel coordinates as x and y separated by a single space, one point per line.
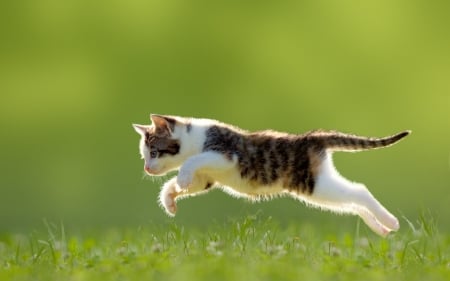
259 165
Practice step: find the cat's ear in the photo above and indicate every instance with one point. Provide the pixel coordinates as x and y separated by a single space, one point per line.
163 124
140 129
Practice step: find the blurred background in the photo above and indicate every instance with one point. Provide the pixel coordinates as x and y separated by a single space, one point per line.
74 76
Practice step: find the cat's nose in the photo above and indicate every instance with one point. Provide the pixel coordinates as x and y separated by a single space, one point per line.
147 169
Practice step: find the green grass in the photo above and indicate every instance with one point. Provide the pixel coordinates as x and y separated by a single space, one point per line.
252 248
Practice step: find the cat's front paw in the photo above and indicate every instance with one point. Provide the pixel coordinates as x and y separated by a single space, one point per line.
171 209
167 201
167 197
184 180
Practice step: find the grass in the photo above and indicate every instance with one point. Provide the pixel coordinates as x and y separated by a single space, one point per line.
252 248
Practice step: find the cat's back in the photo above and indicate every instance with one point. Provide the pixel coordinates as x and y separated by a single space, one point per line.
232 140
265 158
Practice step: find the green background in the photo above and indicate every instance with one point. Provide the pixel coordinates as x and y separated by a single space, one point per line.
74 75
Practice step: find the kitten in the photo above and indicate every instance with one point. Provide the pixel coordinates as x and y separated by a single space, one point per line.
259 165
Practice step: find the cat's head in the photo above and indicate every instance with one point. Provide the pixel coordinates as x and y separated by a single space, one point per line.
159 145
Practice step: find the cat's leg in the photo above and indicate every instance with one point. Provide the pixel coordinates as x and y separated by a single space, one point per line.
371 221
167 196
345 208
348 200
333 190
349 197
171 193
368 203
207 161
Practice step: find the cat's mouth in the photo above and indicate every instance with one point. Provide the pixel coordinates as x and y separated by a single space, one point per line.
150 171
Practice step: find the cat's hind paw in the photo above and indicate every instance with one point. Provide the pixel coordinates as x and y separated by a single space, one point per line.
391 222
372 222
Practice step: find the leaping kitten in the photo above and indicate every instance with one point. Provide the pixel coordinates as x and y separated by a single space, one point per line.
259 165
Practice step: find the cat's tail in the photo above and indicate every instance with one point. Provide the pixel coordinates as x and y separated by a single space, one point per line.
335 141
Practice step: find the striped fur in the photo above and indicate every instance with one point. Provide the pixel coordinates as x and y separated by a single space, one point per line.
337 141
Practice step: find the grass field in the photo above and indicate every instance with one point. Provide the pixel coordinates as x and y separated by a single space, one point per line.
251 248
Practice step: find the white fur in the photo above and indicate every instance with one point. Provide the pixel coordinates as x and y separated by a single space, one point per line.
197 169
335 193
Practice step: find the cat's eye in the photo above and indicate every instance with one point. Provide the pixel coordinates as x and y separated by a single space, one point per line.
153 154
